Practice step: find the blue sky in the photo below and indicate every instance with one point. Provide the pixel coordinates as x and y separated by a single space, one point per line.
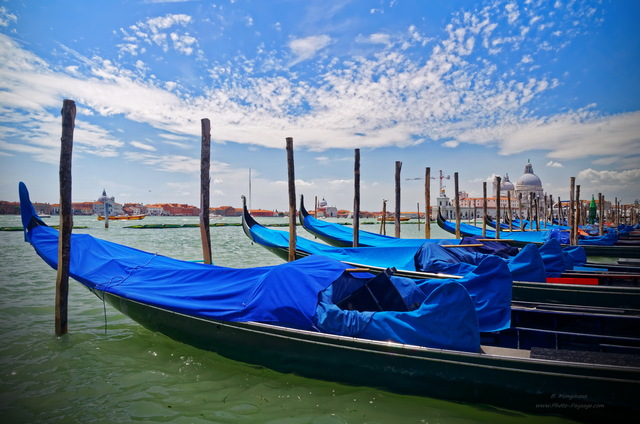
474 87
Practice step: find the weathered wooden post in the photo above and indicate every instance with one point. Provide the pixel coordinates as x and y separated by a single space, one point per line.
292 200
536 205
356 198
510 210
546 211
570 218
457 200
530 212
498 182
574 241
560 220
205 182
383 220
520 216
66 216
484 209
427 203
397 218
600 214
105 202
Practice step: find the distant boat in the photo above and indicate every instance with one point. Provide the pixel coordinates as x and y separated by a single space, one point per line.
402 219
122 217
215 216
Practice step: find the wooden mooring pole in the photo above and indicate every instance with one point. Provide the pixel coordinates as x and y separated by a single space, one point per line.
484 209
510 210
560 212
577 216
205 182
397 217
292 200
356 198
520 213
427 203
600 214
570 218
457 203
498 194
66 216
383 221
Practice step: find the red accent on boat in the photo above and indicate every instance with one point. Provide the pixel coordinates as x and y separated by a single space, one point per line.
569 280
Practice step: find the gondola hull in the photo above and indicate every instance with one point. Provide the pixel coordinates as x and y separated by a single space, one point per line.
502 377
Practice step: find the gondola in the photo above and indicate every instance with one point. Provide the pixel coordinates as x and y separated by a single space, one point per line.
530 293
542 314
259 315
342 236
522 238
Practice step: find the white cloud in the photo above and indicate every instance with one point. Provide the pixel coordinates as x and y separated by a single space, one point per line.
306 48
391 98
6 18
183 43
378 38
630 176
168 163
154 31
554 164
143 146
573 135
609 181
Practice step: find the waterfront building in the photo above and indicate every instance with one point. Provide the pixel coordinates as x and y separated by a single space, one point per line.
324 211
528 186
110 202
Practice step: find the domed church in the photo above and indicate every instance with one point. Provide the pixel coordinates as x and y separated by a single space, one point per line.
529 183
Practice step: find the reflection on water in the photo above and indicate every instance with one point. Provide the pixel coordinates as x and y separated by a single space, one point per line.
127 373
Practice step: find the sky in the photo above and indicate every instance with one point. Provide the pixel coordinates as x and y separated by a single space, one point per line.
477 88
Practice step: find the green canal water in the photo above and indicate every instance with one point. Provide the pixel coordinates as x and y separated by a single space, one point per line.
109 369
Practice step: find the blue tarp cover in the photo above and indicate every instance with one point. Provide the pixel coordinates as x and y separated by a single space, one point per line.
492 296
489 285
531 236
344 234
553 258
288 295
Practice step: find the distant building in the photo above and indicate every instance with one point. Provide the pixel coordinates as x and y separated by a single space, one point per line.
528 186
179 209
98 208
226 211
262 213
9 208
156 210
134 209
324 211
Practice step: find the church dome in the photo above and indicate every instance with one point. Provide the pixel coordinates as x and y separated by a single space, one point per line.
506 185
528 179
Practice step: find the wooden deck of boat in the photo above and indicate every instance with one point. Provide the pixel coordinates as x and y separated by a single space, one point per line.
506 352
